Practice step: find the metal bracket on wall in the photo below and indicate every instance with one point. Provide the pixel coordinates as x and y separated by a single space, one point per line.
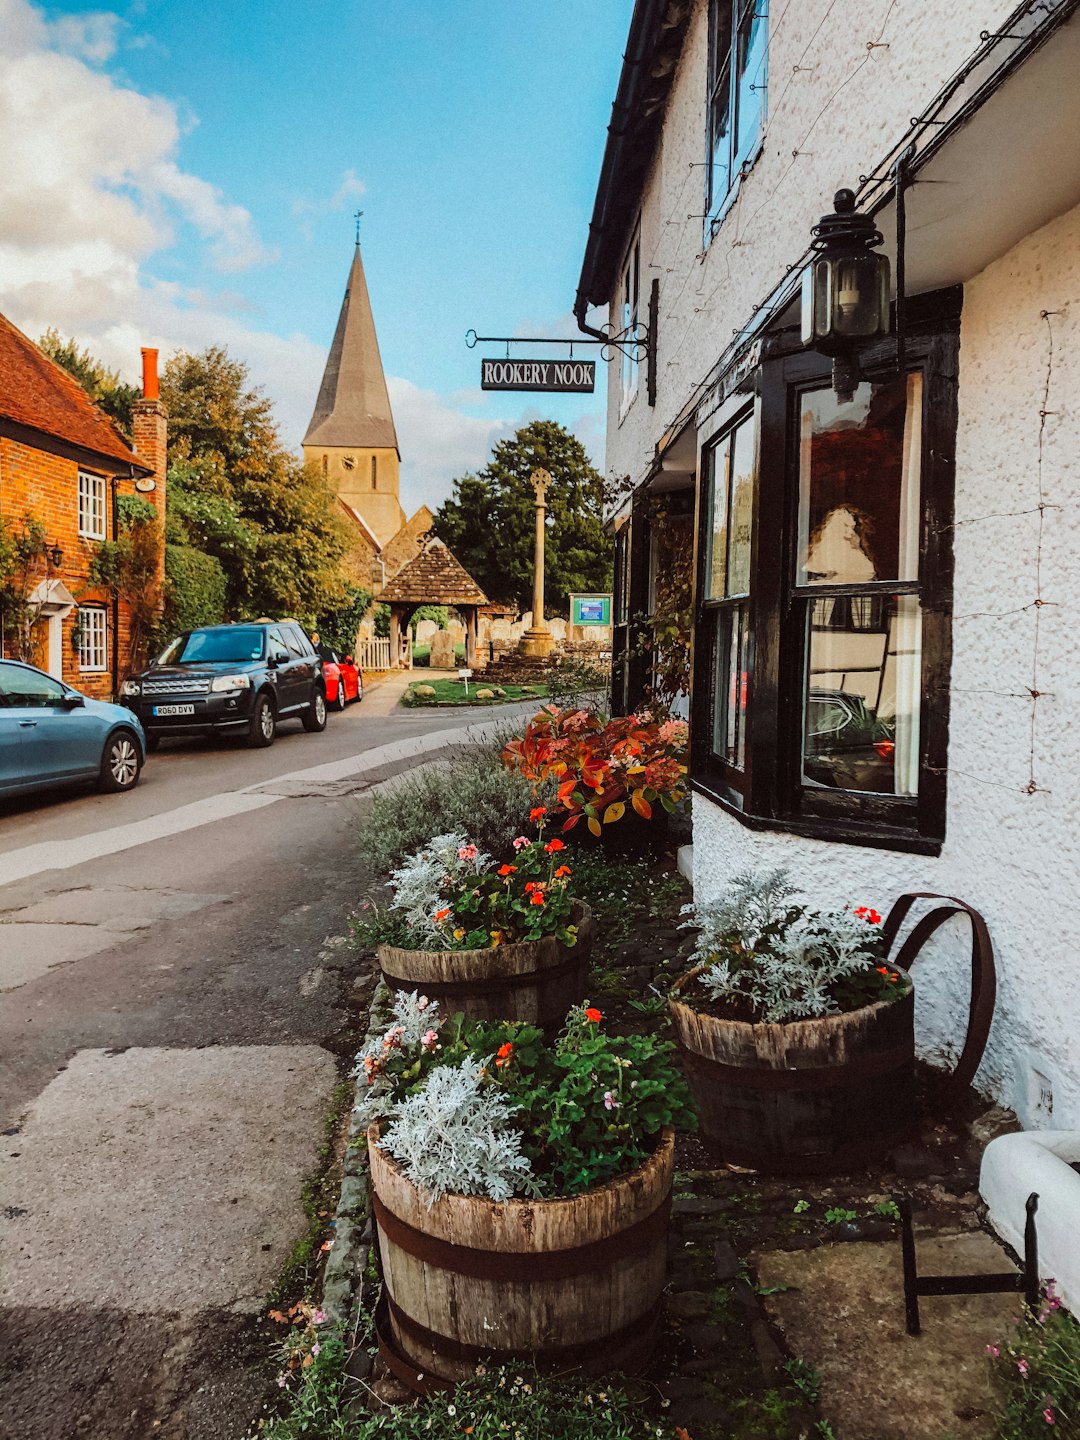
637 346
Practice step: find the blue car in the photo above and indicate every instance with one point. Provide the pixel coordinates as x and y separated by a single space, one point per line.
52 735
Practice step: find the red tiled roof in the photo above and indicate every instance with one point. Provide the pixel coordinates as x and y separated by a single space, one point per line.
38 393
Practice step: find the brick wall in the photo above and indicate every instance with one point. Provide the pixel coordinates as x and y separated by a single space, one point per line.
44 485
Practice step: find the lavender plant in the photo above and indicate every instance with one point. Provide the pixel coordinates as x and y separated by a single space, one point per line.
762 949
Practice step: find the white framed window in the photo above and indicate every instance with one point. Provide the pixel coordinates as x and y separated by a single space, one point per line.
91 506
630 294
738 55
93 637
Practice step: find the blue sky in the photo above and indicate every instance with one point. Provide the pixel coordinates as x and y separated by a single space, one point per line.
185 172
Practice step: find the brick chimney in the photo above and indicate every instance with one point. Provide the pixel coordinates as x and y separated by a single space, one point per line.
150 431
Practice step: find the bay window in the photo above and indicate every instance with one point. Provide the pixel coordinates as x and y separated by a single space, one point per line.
824 591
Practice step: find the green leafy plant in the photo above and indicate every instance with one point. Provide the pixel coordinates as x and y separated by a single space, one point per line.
887 1209
24 561
312 1359
600 765
508 1404
1038 1375
450 895
838 1215
805 1379
584 1110
801 1206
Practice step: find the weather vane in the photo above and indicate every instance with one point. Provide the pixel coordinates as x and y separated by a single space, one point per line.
358 217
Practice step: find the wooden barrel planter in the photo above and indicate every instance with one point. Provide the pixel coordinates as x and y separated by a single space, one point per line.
562 1284
536 981
804 1096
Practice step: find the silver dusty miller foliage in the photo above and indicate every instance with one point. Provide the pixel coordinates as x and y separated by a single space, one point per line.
418 884
456 1135
414 1018
761 943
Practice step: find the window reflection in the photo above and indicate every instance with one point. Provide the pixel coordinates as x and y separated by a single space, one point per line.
730 682
859 484
863 694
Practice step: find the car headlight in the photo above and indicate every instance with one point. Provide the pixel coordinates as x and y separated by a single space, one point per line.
231 682
131 687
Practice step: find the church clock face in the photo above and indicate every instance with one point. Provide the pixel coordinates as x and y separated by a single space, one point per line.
349 462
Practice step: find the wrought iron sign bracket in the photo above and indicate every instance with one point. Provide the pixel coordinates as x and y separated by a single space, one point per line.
635 347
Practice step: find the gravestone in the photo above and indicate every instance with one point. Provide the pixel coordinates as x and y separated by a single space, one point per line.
442 651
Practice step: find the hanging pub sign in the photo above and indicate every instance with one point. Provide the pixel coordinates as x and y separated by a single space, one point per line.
559 375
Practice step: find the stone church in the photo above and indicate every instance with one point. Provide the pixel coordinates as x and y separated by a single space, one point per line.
352 439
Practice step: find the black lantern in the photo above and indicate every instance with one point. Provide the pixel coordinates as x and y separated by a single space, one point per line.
56 556
845 295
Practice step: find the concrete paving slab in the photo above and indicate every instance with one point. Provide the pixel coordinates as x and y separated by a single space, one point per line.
156 1180
27 951
117 907
845 1316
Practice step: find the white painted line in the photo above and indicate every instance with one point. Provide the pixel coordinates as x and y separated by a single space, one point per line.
64 854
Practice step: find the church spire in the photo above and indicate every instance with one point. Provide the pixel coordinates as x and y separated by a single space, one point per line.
353 406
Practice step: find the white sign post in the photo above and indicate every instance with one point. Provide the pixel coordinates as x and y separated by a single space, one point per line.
464 675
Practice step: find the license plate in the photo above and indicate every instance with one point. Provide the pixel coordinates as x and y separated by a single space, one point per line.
173 710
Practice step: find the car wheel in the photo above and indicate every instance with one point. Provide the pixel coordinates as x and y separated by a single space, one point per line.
152 743
263 723
121 762
315 714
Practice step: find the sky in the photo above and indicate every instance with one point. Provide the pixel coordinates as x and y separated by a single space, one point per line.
183 173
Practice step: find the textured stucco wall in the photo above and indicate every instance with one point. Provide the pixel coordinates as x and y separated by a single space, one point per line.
1015 856
842 111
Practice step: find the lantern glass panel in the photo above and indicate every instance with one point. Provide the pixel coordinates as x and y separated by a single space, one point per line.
858 296
815 301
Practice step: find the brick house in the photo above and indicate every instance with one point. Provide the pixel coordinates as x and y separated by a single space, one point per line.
883 572
64 464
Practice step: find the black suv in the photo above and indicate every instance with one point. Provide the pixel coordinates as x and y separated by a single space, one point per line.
230 679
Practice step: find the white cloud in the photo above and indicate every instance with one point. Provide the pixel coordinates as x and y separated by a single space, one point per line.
438 443
93 192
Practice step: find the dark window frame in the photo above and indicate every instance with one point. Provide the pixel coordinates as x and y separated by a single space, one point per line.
769 794
726 21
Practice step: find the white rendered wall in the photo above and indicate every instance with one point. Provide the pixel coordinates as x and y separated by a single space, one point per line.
842 111
1015 856
1012 855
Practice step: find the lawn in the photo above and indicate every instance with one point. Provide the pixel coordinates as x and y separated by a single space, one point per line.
452 692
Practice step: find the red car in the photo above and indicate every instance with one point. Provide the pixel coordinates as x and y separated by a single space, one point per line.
343 682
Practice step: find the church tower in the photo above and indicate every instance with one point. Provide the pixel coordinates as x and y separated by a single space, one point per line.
351 436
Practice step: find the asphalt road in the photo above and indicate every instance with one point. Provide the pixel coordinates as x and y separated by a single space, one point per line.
174 1008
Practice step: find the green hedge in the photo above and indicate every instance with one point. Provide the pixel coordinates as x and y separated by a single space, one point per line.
194 589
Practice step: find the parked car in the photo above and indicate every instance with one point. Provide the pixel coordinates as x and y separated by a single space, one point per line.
51 734
343 678
232 680
847 746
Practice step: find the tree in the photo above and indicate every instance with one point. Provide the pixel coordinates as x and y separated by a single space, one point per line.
339 626
237 494
103 385
489 521
23 560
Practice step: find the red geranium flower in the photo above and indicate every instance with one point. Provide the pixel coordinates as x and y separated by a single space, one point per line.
537 897
593 1015
442 914
554 845
507 869
537 812
563 870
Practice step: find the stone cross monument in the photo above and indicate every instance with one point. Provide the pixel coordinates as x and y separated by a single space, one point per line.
538 640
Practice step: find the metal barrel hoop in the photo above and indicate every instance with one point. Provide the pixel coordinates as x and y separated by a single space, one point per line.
983 971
